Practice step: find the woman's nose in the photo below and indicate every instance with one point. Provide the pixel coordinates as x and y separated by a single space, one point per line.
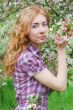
42 29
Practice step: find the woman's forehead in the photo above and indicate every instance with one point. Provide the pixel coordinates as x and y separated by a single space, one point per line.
39 18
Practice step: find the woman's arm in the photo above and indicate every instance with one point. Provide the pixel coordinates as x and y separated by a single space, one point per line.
62 68
58 82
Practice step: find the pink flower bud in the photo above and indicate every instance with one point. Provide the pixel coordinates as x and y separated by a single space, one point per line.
65 30
65 19
58 39
69 34
72 30
67 25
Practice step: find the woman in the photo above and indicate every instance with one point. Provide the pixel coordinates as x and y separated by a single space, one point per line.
23 60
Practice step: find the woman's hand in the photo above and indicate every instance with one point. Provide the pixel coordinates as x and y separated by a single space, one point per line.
61 41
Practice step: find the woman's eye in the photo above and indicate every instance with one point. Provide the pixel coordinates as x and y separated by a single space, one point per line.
34 26
45 24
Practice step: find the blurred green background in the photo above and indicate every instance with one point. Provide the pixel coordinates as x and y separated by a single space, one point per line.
59 9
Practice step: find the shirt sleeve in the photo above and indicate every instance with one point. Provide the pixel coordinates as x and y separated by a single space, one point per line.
33 66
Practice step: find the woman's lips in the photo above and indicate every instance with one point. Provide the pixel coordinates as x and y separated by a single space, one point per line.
42 37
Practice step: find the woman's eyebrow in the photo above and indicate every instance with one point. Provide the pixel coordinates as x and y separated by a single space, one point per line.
44 22
41 22
35 23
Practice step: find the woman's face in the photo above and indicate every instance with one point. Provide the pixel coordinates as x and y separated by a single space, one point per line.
38 30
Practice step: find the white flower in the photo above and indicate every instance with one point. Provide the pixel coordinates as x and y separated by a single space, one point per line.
29 106
10 4
0 70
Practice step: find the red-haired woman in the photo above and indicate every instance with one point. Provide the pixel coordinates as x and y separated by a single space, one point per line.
23 60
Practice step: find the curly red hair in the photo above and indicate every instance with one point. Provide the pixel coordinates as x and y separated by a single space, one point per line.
19 36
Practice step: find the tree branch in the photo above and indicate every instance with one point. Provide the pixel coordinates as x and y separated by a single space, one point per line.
52 8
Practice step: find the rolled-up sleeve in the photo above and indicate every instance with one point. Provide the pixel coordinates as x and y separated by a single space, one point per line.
33 66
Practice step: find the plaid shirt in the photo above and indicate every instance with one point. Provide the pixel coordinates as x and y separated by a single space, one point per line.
28 64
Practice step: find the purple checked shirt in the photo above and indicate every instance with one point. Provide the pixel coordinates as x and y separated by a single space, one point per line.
28 64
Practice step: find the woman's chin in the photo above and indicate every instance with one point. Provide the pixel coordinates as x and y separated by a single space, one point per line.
43 41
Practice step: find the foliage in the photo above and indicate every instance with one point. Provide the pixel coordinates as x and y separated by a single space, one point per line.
62 100
4 33
57 100
63 27
60 30
59 9
7 95
9 12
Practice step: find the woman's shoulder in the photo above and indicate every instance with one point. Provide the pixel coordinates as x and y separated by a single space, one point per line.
24 57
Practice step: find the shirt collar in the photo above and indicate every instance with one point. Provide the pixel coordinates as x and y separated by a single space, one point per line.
33 49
